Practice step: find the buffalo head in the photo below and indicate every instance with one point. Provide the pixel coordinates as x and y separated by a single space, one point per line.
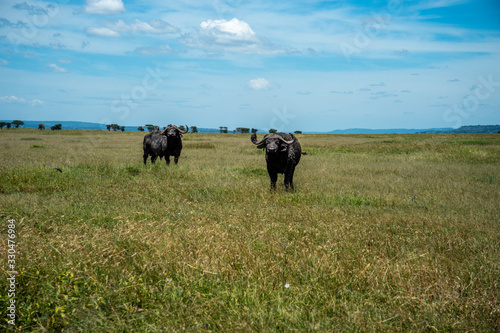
173 131
272 143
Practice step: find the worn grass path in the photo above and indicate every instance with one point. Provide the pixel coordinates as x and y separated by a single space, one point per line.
384 233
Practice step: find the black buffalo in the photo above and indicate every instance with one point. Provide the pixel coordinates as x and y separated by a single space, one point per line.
164 143
283 153
154 145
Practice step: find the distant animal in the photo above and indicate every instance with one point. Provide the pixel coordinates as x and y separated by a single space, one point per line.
164 143
283 152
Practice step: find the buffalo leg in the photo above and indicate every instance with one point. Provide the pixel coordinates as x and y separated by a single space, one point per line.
274 179
289 178
145 157
167 159
153 158
176 159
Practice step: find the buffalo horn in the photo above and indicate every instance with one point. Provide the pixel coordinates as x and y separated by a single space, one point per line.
285 141
181 131
254 139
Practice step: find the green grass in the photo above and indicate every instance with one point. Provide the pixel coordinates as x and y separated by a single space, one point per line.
384 233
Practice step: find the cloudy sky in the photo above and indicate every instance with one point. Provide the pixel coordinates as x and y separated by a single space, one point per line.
306 65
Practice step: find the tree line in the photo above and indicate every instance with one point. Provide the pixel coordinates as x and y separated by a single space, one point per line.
149 127
17 123
56 127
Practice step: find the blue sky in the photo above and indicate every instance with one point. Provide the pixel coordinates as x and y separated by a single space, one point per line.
291 65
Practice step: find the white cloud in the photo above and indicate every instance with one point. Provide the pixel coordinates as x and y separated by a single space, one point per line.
15 99
12 99
104 7
152 51
35 10
259 84
116 29
234 35
56 68
140 27
3 62
102 32
225 32
432 4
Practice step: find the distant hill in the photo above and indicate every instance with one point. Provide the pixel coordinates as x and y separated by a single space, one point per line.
469 129
386 131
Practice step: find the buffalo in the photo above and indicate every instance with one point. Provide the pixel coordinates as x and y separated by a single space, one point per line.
164 143
154 145
283 153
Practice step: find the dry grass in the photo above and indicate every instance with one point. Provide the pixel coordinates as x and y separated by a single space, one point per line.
383 233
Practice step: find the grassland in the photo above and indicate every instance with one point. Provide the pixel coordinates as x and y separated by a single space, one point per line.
384 233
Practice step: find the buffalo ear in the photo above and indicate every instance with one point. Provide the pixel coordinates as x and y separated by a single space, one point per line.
262 145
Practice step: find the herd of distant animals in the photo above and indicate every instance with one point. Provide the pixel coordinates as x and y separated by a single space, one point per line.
283 151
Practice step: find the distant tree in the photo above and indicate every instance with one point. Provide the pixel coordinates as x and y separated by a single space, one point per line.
182 128
140 128
122 128
194 129
56 127
242 130
17 123
254 130
108 127
150 127
2 124
298 132
8 125
115 127
272 130
41 126
223 129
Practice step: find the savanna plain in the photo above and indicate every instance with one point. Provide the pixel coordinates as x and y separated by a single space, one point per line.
383 233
